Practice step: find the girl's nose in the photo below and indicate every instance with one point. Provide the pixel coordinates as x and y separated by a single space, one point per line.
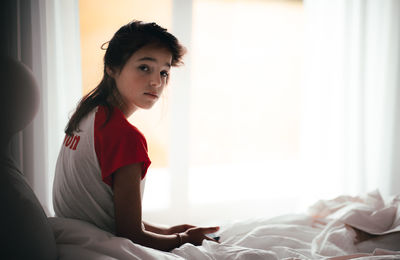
156 81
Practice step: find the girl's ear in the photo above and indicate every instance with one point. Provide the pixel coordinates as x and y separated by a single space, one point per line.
110 72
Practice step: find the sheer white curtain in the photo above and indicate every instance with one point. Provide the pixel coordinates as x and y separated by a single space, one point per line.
348 118
55 55
351 95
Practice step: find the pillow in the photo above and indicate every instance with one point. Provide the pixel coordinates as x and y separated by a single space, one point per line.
25 230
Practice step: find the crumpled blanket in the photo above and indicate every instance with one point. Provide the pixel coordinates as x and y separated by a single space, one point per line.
357 224
363 227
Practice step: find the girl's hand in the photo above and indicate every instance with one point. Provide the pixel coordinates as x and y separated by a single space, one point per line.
178 229
196 235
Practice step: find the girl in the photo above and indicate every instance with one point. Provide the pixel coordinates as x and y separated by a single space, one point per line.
103 160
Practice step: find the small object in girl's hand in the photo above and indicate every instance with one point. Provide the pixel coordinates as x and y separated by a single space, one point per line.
213 236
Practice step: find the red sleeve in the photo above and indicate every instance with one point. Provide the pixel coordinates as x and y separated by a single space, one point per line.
118 143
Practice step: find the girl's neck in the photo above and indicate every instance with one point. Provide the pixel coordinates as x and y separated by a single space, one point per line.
126 111
116 101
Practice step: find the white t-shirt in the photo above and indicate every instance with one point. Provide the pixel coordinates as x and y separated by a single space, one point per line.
83 180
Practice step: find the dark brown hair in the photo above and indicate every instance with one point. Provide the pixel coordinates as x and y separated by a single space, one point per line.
126 41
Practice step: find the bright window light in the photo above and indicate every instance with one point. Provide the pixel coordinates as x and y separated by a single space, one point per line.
245 100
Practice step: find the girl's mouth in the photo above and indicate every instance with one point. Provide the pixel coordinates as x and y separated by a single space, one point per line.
151 95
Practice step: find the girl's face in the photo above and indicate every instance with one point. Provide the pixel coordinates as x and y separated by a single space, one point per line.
141 81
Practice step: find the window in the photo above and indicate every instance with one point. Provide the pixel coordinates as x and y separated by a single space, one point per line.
245 99
241 115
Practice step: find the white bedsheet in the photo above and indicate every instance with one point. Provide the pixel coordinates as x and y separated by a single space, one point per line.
334 229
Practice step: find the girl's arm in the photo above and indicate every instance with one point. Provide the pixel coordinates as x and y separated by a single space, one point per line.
128 210
163 230
159 229
128 214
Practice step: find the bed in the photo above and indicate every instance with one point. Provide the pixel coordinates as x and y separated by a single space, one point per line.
362 227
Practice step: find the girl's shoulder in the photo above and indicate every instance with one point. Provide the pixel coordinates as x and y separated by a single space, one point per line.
114 122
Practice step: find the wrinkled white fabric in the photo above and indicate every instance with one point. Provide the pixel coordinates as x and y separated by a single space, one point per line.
369 213
327 233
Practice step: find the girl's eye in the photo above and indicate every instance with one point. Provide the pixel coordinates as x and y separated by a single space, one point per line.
144 68
164 74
